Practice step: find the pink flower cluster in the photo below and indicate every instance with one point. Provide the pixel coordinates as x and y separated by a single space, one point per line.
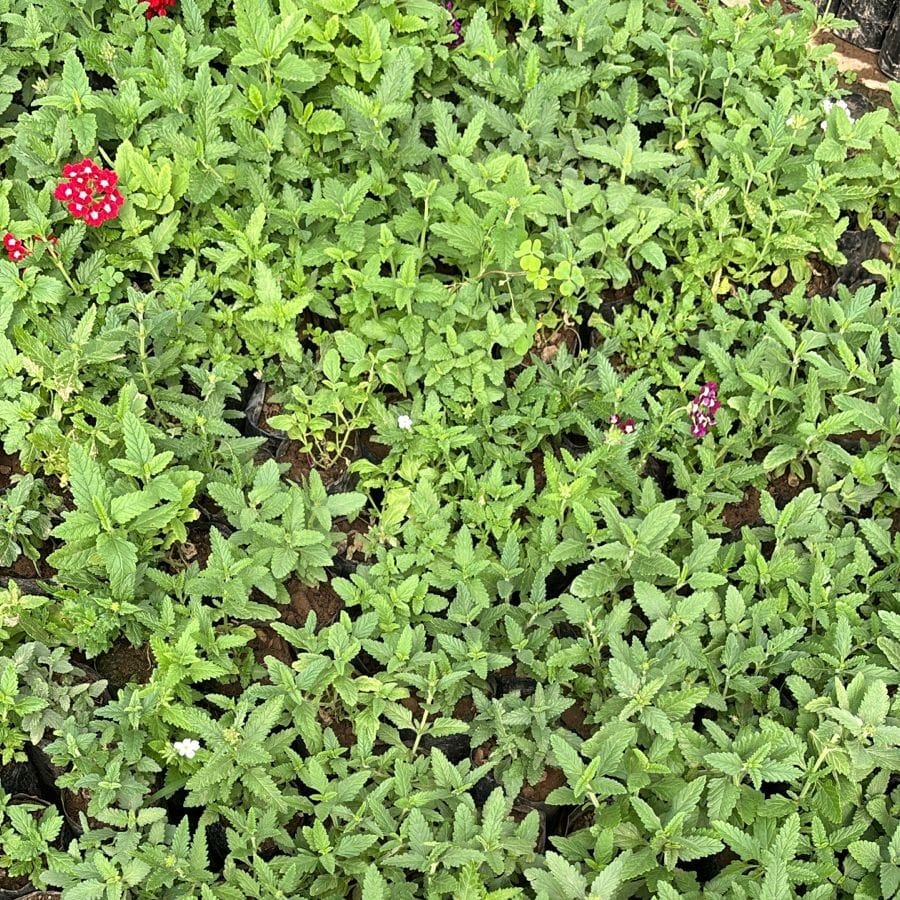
626 426
703 409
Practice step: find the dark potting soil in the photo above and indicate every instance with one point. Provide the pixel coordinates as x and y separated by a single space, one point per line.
342 728
574 718
552 779
12 883
465 709
744 512
540 474
9 466
546 346
74 803
302 463
305 599
320 598
785 487
21 778
198 547
123 664
352 547
895 522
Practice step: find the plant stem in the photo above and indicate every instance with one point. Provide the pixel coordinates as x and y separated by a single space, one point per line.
58 263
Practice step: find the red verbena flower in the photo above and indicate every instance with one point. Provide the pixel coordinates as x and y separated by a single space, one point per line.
15 249
626 427
703 409
89 192
158 7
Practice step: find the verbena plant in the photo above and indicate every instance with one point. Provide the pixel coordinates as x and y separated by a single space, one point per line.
602 601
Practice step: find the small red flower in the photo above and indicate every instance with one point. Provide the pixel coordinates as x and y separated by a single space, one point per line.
626 427
159 7
15 249
89 192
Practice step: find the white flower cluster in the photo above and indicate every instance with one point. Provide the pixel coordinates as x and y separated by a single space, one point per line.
187 748
828 105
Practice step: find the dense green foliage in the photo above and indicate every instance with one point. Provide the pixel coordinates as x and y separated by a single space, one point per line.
426 622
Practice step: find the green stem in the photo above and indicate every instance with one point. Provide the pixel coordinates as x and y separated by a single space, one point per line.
142 343
58 263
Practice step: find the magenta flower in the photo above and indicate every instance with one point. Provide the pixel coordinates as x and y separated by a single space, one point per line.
703 409
455 25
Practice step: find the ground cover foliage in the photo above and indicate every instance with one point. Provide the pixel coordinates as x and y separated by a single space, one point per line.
449 451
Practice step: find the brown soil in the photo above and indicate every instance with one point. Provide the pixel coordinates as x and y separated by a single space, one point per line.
304 599
23 567
301 464
895 522
744 512
821 279
552 779
269 410
76 802
481 753
12 882
574 719
342 728
464 709
9 466
413 705
123 664
540 475
269 643
787 486
615 298
852 439
43 895
321 598
870 80
546 346
197 548
353 546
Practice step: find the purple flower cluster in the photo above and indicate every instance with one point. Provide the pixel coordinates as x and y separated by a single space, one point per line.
455 25
703 409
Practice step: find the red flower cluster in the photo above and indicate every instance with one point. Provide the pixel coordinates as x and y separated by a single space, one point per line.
159 7
626 426
15 249
90 192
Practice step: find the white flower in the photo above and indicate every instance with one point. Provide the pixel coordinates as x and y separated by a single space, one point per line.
828 105
186 748
404 422
791 122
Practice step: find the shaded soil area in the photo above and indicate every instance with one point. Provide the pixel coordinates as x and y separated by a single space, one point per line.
787 486
302 463
9 466
320 599
123 663
744 512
